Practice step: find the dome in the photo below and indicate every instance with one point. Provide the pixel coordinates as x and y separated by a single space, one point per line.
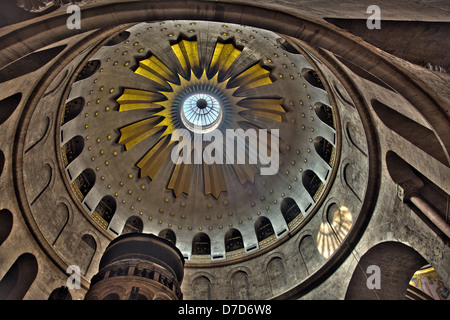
276 150
230 88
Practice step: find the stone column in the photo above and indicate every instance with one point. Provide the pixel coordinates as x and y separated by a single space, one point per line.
430 212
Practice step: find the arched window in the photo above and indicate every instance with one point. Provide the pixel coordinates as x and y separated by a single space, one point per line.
72 149
289 209
88 70
104 211
233 240
263 228
8 105
325 113
118 38
312 183
168 234
6 223
324 149
85 252
29 63
133 224
420 136
19 278
61 293
201 244
73 108
313 78
84 183
2 162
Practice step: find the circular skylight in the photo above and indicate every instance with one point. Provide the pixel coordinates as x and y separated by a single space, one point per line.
201 112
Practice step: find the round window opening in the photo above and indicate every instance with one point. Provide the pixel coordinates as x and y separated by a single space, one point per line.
201 113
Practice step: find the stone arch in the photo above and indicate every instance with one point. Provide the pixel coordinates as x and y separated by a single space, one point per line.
277 275
72 149
88 70
29 63
201 288
168 234
324 149
240 286
19 278
418 135
105 211
84 183
263 228
86 249
313 78
394 262
72 109
133 224
6 224
201 244
310 254
289 209
233 240
325 113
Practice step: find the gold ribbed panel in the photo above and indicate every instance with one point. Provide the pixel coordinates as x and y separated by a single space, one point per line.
153 160
188 56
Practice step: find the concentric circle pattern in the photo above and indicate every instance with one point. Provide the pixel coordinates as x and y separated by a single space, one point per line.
120 118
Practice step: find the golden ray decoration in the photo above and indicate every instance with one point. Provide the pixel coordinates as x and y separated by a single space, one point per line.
163 111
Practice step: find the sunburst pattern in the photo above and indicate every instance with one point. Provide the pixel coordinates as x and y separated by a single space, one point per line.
164 103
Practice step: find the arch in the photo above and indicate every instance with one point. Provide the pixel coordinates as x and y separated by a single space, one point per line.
168 234
263 228
118 38
356 137
353 180
310 254
313 78
201 288
19 278
84 183
334 229
396 264
289 209
325 113
85 252
415 133
2 162
240 286
6 224
278 277
60 220
105 210
201 244
61 293
8 106
29 63
72 109
133 224
72 149
88 70
324 149
312 183
233 240
111 296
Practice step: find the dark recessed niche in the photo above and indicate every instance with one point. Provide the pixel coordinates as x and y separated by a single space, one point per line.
29 63
8 106
121 37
